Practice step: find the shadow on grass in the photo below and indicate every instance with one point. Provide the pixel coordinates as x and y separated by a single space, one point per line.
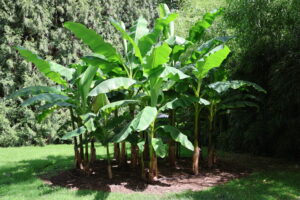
29 171
264 185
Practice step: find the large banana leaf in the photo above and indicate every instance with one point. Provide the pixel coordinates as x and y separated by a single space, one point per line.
47 97
139 29
164 11
223 86
159 147
140 123
56 104
127 37
159 56
105 66
86 81
94 41
51 70
88 121
211 60
144 118
74 133
33 90
178 136
111 85
183 102
173 74
207 46
98 102
196 32
146 43
117 104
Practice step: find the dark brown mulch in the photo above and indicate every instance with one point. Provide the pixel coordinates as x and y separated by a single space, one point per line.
127 180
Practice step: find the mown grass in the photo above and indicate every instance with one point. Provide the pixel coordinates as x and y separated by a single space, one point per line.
20 168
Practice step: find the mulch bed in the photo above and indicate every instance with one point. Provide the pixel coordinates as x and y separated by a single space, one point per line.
127 180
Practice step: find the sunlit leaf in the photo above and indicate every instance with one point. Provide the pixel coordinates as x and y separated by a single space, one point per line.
94 41
111 85
178 136
79 131
159 147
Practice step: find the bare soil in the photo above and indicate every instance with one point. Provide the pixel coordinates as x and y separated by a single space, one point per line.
127 180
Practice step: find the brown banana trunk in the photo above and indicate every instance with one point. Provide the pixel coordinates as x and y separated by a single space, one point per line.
177 150
153 170
211 141
109 170
211 156
76 154
93 151
143 172
196 153
86 151
123 156
172 153
117 151
134 155
146 158
81 152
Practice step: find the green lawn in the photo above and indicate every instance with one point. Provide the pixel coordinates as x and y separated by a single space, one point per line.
19 168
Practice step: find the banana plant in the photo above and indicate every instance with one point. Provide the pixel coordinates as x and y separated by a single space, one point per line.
196 58
155 73
222 100
62 96
138 44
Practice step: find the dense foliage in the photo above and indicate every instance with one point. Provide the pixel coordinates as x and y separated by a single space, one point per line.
38 25
265 51
268 52
107 88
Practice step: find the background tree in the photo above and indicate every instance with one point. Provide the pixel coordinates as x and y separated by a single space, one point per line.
267 52
38 26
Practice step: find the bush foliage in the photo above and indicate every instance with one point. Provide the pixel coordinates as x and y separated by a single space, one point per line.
267 43
38 25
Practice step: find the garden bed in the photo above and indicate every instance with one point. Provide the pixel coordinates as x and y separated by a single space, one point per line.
127 180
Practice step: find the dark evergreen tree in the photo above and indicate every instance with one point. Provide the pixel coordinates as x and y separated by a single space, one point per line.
38 25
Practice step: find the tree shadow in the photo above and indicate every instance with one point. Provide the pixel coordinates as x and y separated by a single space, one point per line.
262 185
28 171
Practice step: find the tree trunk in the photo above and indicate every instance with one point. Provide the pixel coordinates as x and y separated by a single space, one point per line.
117 151
123 157
153 169
196 153
143 172
76 154
172 153
86 150
78 158
211 156
93 151
146 157
81 152
211 145
134 155
178 150
109 171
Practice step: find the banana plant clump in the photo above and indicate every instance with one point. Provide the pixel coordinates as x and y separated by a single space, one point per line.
133 96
